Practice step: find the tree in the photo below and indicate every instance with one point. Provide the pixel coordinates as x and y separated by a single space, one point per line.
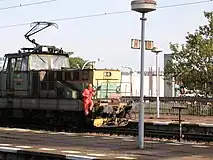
191 63
77 62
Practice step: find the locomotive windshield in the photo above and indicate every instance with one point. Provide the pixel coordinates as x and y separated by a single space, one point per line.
59 61
44 62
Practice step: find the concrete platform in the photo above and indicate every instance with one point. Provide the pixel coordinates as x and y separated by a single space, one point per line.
208 120
96 146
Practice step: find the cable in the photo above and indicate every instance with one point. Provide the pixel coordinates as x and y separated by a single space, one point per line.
27 4
48 1
186 4
104 14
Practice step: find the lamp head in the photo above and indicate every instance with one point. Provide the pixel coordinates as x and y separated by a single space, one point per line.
156 50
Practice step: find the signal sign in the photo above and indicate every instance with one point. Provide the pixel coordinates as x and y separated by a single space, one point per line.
149 45
107 74
135 44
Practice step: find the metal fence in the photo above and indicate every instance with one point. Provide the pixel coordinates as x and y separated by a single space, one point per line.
194 106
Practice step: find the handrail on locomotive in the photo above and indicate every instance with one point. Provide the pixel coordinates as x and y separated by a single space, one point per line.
113 109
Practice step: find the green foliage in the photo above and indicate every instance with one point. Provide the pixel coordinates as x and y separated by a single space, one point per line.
78 62
192 63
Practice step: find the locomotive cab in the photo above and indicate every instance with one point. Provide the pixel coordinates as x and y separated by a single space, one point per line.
38 58
17 67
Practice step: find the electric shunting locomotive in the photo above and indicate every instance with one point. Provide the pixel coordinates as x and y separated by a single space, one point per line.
37 85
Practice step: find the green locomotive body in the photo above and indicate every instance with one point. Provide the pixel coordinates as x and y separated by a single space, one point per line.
37 85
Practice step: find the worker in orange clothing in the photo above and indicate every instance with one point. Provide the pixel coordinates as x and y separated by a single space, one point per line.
88 93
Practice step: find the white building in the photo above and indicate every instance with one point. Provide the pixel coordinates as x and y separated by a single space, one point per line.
149 84
166 86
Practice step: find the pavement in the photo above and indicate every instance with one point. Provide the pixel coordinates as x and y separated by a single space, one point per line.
99 146
188 119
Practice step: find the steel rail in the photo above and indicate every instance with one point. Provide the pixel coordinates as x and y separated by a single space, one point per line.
129 130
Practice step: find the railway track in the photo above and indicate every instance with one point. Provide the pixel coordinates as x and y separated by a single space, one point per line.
131 130
152 133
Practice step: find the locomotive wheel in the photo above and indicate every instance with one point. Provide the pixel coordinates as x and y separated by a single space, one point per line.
123 122
130 115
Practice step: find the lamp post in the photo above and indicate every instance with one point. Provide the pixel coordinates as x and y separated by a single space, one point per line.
87 62
131 71
142 6
157 51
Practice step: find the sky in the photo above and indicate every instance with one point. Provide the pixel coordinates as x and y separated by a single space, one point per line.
106 37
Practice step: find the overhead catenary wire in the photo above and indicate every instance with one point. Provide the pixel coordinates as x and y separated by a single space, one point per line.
48 1
27 4
105 14
186 4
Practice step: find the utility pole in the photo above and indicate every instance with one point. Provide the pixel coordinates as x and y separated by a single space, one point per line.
157 51
142 6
